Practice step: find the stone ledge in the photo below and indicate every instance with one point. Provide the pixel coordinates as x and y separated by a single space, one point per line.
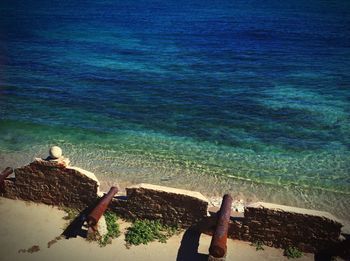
188 193
284 208
86 173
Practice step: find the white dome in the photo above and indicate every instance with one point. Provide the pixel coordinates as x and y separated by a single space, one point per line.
55 152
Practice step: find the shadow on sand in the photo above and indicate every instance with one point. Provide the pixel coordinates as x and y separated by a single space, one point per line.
188 250
76 227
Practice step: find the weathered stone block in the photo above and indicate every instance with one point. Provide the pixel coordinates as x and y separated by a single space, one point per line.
282 226
170 205
53 183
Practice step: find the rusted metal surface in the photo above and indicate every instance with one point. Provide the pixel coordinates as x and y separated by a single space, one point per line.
4 174
218 245
101 207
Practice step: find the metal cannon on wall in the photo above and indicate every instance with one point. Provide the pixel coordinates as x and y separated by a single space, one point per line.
218 247
100 208
90 216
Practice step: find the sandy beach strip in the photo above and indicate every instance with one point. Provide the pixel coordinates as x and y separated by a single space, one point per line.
24 225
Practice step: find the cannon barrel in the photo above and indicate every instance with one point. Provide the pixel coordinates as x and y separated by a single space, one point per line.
97 212
4 174
218 245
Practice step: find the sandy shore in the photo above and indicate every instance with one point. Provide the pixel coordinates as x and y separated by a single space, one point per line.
24 225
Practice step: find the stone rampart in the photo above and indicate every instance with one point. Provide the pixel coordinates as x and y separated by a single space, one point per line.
52 183
283 226
170 205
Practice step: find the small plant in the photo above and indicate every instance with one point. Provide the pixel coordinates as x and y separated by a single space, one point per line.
293 252
72 213
258 245
145 231
112 228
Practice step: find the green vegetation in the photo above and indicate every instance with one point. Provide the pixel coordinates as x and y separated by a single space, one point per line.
258 245
112 228
72 213
293 252
111 218
144 231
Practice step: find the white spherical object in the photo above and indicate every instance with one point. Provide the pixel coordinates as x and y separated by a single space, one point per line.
55 152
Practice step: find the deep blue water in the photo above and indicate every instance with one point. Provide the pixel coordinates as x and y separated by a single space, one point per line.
257 91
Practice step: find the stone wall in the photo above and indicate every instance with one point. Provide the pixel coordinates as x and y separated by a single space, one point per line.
53 183
283 226
273 225
171 206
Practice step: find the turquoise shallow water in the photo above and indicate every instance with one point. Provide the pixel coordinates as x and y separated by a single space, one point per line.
232 96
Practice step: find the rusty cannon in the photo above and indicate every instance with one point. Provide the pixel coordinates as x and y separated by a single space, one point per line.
89 218
95 215
218 247
4 174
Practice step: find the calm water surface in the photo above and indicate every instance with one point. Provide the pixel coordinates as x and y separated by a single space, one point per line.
249 97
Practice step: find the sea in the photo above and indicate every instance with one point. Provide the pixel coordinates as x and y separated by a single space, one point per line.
245 97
